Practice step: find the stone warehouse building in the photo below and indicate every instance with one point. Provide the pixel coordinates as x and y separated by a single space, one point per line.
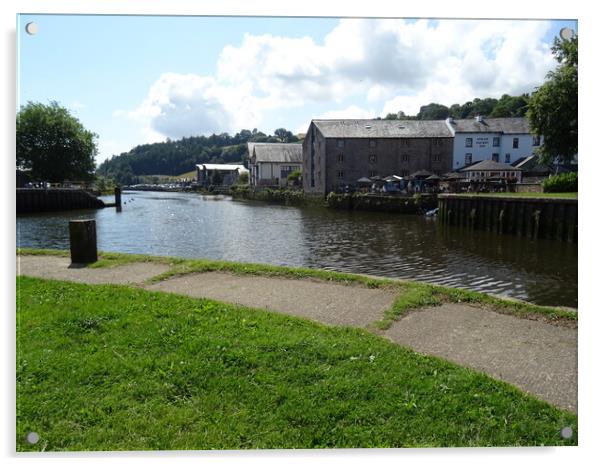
271 163
336 153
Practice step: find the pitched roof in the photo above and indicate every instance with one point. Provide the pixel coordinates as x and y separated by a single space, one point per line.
531 164
517 125
383 128
222 167
276 152
490 165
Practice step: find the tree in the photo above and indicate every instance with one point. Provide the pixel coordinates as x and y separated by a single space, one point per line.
283 135
433 111
53 144
509 106
552 109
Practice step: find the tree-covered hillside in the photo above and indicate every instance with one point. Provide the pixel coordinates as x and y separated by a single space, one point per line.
504 107
177 157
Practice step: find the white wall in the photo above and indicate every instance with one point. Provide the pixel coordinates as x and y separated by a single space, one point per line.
482 147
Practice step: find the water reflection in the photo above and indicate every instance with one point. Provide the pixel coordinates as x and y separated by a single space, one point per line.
409 247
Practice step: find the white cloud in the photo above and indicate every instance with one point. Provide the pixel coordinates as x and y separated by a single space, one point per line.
361 64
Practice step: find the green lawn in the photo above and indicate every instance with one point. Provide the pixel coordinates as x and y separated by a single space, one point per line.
105 367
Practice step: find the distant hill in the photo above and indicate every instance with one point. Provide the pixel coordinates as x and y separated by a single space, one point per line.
172 158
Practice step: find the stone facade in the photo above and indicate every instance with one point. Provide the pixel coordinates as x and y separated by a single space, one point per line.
331 163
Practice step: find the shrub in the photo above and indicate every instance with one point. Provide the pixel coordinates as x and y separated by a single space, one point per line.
565 183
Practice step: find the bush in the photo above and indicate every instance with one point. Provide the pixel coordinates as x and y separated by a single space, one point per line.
243 178
565 183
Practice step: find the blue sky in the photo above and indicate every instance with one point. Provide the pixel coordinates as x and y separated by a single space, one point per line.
138 79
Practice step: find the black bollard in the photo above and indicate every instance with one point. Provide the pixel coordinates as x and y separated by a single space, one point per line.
82 238
118 198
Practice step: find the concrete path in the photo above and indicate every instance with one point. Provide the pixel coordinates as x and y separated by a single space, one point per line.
535 356
317 300
539 358
58 268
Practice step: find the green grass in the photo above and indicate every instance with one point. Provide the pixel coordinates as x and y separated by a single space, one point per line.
106 367
411 295
528 195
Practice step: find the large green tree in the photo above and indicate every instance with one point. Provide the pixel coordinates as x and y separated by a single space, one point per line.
53 144
553 107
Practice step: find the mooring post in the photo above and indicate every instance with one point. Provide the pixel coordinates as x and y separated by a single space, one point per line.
118 198
82 238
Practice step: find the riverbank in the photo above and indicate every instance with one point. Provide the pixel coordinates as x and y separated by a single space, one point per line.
212 375
510 341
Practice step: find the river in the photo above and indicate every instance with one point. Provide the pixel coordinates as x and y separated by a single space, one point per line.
392 245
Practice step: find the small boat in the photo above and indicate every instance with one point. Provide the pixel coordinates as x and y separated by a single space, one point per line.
432 213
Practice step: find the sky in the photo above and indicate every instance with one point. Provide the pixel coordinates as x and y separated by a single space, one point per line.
141 79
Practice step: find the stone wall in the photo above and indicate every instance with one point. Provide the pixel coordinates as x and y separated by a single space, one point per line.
47 200
546 218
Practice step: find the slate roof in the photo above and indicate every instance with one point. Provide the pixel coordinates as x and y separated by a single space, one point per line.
518 125
489 165
383 128
276 152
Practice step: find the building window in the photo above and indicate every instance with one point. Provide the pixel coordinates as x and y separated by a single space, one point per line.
468 142
507 158
436 157
515 143
340 174
404 157
437 142
372 158
372 143
405 173
467 159
495 157
340 158
496 142
371 174
536 140
405 142
340 143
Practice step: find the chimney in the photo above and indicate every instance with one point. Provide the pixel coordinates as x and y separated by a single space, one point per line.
449 120
479 119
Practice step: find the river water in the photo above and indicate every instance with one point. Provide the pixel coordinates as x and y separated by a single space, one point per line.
392 245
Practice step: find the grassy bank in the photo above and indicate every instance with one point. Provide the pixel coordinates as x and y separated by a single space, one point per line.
411 295
105 367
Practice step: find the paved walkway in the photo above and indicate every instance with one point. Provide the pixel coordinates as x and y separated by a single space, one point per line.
535 356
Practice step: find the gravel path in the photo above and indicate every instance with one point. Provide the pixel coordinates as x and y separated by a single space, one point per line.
535 356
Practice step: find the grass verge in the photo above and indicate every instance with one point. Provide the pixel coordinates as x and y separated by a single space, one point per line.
106 367
411 295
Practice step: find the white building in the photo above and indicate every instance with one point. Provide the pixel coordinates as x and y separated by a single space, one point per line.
503 140
271 163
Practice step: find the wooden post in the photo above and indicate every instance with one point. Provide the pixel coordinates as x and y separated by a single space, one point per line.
82 238
118 198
